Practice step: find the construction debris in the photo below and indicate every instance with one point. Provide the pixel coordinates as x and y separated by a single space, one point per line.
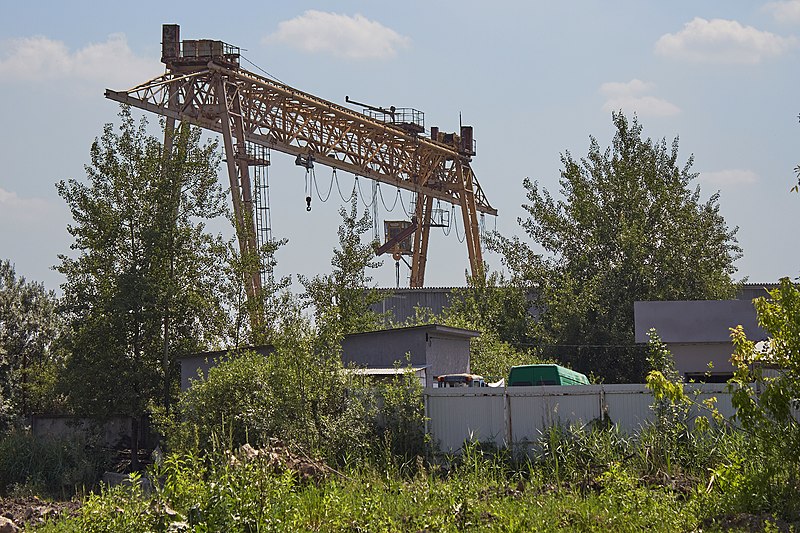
278 457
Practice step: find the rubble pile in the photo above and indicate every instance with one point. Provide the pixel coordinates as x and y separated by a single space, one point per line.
280 458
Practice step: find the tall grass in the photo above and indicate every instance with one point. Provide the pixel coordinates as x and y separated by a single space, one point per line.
477 496
54 467
573 480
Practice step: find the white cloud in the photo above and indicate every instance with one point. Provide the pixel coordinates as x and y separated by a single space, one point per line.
14 209
631 96
111 63
722 41
344 36
731 177
788 11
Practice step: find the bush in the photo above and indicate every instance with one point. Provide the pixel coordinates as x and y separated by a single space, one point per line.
766 477
233 402
293 396
400 423
300 394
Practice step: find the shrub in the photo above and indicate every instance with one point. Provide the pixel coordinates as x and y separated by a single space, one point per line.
400 423
300 393
766 477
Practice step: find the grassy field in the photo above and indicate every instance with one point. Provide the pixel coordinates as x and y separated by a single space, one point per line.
277 489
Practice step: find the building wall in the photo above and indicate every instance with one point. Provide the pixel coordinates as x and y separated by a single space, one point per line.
113 432
697 332
695 358
695 321
447 355
443 350
384 348
748 291
192 367
438 349
400 303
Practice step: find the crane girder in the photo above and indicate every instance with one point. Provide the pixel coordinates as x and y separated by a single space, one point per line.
288 120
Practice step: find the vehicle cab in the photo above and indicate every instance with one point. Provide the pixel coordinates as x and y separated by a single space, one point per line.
459 380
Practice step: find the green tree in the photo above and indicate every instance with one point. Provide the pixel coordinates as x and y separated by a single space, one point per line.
30 329
269 303
342 299
143 288
500 311
766 389
490 302
628 228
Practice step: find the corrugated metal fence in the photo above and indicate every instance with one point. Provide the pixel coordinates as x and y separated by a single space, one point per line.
519 414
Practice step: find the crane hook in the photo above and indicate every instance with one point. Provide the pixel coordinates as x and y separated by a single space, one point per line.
308 203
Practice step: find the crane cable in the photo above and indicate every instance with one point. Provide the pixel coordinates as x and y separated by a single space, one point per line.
396 196
455 223
264 71
311 178
330 189
403 205
357 185
449 228
338 188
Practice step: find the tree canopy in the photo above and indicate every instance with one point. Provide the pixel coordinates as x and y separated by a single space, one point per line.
29 331
629 227
145 266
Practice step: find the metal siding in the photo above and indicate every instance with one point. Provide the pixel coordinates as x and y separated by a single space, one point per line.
709 390
629 405
457 415
460 414
695 321
534 409
448 355
401 302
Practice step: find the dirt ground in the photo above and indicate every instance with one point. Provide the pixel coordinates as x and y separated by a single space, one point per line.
25 511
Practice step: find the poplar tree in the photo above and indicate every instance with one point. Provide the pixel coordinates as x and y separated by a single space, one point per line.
629 227
145 267
30 328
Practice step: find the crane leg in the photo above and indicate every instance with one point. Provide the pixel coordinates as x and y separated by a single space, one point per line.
421 235
239 176
470 217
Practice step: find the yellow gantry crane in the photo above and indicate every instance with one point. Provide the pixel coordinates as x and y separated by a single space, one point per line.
204 85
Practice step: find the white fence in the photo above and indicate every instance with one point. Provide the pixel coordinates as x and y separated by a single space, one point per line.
519 414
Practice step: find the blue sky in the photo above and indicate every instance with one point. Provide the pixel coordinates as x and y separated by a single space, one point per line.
534 79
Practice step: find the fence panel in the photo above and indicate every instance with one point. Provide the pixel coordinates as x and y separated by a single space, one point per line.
701 392
459 414
628 405
534 409
522 414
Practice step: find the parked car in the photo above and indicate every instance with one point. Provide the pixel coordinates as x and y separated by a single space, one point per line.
459 380
528 375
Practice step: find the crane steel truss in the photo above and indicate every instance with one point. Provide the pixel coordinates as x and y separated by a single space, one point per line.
213 92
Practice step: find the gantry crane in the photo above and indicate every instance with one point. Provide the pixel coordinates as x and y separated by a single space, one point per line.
204 85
